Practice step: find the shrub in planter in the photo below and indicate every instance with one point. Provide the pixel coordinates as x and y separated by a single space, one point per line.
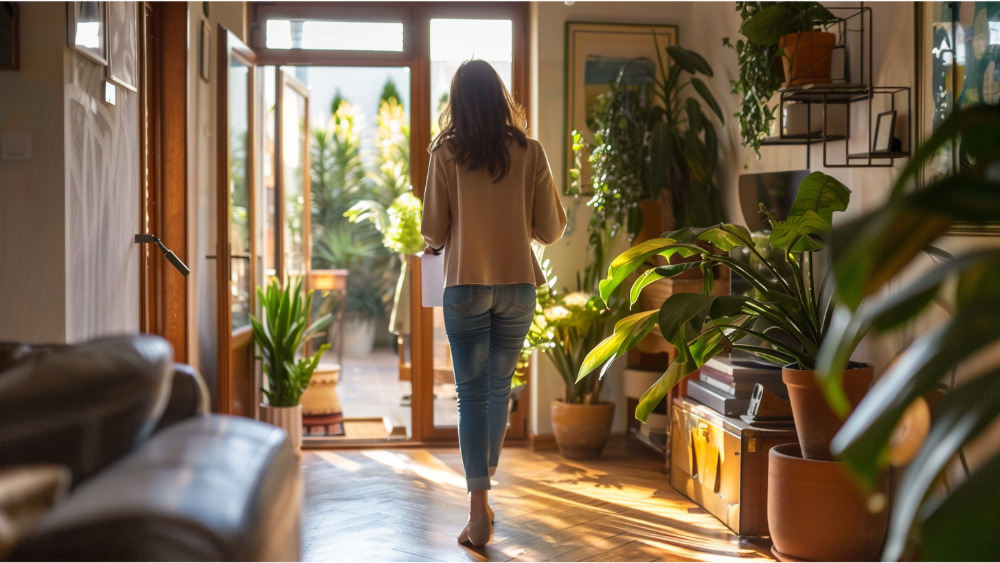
280 332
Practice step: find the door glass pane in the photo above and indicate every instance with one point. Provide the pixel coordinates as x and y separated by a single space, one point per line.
360 156
452 42
239 194
294 145
270 172
334 35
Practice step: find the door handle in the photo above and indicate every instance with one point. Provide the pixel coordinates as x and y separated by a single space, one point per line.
170 256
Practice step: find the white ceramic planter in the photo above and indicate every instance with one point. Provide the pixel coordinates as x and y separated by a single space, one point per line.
288 419
359 336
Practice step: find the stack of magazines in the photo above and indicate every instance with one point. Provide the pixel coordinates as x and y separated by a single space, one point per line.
726 387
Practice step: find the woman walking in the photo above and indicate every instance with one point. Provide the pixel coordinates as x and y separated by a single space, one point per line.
489 195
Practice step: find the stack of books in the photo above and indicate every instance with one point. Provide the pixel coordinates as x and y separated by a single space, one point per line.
726 387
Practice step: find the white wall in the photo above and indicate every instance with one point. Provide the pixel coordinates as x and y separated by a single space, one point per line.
102 203
68 215
32 204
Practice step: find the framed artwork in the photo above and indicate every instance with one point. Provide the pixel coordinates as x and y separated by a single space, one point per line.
123 44
594 55
958 65
86 29
885 129
10 41
206 50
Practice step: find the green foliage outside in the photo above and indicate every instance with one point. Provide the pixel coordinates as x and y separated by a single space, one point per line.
345 175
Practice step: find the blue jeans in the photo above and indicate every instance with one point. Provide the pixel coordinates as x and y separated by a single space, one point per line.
486 326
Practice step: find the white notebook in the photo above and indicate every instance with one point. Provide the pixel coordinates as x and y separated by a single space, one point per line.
432 279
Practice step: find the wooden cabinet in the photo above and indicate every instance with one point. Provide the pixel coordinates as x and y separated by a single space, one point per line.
721 463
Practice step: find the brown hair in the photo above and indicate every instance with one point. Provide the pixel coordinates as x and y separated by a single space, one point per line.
480 119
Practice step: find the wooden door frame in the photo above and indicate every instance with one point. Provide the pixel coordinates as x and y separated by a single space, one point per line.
163 98
416 18
230 46
283 79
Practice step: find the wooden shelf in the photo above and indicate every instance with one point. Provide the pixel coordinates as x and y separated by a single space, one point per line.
878 155
801 139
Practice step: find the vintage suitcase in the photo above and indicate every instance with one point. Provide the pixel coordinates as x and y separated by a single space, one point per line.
721 463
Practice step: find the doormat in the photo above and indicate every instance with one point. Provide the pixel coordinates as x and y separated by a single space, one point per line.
324 425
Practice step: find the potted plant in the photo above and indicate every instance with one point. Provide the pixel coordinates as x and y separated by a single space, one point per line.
790 315
282 329
957 521
773 31
565 328
651 143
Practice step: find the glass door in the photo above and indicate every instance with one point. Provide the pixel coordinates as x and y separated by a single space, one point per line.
236 391
452 41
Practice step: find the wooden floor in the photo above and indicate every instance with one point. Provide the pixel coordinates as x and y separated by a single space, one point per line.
410 504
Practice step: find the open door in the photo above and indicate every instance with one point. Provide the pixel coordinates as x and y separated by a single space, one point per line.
236 249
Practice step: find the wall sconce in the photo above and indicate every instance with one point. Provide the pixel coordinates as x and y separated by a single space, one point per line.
170 256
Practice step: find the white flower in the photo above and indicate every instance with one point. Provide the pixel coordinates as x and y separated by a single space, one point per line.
556 313
576 299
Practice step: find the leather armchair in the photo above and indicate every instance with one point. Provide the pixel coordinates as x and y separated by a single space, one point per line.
155 476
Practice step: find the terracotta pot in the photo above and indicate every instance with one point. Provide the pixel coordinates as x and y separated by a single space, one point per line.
288 419
581 430
816 513
815 423
808 56
651 227
321 398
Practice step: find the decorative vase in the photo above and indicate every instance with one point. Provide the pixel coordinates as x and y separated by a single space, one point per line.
808 57
320 397
815 423
359 336
581 431
288 419
816 513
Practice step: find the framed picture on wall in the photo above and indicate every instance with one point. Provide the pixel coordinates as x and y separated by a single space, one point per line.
86 28
958 65
595 54
10 42
123 44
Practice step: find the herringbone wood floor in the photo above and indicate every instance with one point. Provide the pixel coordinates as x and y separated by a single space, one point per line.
410 504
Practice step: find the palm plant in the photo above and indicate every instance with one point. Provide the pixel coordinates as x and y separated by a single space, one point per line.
935 523
649 137
789 313
281 330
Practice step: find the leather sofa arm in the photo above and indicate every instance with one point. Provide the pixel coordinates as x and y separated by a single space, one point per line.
211 488
188 397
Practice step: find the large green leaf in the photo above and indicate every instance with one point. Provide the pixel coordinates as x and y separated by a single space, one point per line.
655 274
958 418
863 440
766 27
821 194
628 261
628 332
706 95
799 233
703 349
964 526
974 121
690 61
660 155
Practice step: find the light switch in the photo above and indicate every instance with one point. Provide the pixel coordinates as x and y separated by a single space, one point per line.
109 92
16 146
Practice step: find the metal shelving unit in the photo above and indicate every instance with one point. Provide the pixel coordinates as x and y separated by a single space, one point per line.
849 95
